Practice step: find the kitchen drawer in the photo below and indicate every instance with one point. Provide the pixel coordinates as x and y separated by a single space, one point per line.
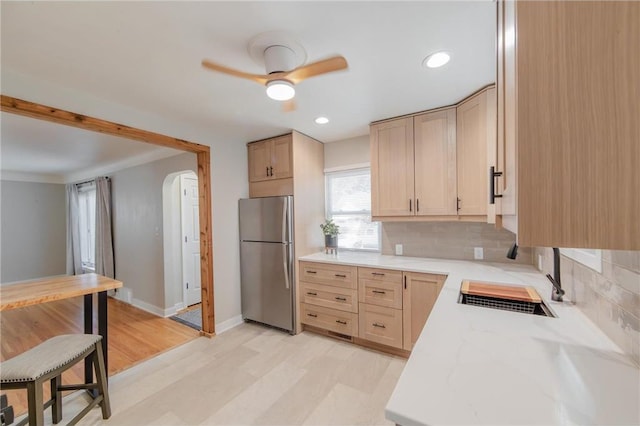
329 274
374 274
344 299
329 319
381 325
381 293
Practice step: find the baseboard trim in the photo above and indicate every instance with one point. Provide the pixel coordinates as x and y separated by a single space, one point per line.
169 312
229 324
147 307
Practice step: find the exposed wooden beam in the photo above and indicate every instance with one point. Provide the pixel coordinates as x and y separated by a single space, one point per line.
55 115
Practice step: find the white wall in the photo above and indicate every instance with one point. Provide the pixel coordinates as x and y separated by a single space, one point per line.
138 226
228 169
347 153
32 229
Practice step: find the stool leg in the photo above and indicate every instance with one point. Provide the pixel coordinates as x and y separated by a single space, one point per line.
34 400
101 379
56 395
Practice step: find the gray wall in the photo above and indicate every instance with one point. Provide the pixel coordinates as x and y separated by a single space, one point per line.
451 240
611 299
32 230
138 226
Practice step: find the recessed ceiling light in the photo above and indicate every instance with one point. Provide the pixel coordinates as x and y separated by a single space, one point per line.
322 120
436 60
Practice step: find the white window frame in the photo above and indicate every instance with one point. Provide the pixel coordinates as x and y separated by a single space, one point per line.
87 265
592 258
349 171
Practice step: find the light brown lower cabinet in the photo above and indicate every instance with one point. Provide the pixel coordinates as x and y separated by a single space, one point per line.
380 306
419 296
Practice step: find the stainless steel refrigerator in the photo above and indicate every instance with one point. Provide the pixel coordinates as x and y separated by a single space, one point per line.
266 260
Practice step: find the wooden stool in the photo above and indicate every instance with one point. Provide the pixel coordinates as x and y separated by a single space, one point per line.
48 361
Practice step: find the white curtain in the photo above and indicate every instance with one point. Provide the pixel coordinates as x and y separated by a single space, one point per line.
104 235
74 260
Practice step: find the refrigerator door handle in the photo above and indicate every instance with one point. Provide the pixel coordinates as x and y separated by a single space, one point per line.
285 208
285 264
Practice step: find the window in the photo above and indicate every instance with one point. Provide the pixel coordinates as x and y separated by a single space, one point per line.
87 216
588 257
349 205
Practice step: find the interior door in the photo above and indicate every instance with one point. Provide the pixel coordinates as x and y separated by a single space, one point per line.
192 290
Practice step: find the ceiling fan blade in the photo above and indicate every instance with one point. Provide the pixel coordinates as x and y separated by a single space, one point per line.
289 106
260 79
336 63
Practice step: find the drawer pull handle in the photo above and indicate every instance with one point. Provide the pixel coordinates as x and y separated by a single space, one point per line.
312 294
344 299
312 315
341 322
379 274
375 324
378 292
311 272
341 276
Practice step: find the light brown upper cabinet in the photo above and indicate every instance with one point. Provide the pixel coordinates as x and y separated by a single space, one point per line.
270 159
476 152
435 165
569 133
392 175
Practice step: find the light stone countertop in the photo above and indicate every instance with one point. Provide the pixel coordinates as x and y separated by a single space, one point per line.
474 365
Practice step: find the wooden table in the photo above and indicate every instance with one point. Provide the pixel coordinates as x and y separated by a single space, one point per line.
34 292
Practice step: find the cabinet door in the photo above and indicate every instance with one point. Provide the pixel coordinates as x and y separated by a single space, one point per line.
259 161
282 157
420 294
578 132
435 163
392 187
471 155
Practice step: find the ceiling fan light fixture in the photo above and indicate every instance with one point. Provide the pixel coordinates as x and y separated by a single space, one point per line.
280 90
436 60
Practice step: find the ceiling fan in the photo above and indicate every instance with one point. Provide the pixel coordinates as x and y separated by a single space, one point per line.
284 69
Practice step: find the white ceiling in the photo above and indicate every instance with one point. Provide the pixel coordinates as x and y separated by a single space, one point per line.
146 55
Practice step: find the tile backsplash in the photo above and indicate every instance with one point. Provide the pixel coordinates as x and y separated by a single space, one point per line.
611 299
451 240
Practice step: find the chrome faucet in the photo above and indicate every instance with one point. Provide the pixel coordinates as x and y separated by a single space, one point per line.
557 292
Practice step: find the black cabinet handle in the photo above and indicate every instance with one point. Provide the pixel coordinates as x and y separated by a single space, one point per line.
379 274
341 322
378 292
417 205
340 276
312 294
375 324
341 298
410 205
312 315
311 272
271 171
405 282
458 204
492 185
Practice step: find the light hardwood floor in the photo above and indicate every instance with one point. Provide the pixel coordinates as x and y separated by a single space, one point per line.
252 375
134 335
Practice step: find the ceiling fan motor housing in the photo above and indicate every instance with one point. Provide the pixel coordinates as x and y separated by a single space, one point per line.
279 59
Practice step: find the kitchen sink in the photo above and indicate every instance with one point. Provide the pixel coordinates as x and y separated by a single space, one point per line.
504 297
